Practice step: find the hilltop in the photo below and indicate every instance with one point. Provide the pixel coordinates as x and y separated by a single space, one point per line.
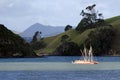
46 30
79 39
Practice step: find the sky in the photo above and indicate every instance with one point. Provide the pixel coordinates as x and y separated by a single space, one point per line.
18 15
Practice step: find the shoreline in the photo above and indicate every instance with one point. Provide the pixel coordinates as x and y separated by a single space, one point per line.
41 56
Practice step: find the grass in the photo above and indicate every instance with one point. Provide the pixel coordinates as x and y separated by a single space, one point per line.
79 38
54 42
111 20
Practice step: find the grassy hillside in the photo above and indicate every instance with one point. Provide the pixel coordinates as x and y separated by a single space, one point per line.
54 42
115 22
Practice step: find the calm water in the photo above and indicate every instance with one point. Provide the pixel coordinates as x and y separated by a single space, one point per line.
58 68
58 59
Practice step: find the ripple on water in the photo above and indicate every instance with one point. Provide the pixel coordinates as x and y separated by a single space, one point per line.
61 75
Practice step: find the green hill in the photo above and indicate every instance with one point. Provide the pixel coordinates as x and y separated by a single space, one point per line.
115 22
12 45
80 38
54 42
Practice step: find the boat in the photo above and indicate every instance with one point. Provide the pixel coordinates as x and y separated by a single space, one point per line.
88 57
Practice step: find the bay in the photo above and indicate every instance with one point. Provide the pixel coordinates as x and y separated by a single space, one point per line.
59 68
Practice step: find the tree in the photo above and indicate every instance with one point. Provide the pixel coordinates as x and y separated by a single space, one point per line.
68 27
90 20
38 45
68 49
12 45
101 40
92 15
64 37
37 36
84 24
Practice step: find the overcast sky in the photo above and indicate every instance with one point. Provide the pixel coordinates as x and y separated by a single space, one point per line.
20 14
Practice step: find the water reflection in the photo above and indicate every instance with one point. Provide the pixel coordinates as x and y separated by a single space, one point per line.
59 66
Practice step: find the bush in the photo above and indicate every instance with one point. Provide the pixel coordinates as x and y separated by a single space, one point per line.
68 27
101 40
68 49
38 45
87 24
64 38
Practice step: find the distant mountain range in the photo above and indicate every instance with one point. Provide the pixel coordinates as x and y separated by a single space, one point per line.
45 29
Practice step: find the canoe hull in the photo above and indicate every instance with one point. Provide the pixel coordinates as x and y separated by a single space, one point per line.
84 62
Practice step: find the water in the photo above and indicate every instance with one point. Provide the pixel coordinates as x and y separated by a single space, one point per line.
61 75
58 59
58 68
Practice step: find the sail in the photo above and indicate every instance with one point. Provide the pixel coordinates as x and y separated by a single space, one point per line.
88 57
90 54
85 53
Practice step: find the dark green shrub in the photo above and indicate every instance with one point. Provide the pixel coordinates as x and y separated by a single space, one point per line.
101 40
68 49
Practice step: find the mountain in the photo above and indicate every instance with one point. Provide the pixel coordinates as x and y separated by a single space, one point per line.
12 45
45 29
16 32
80 38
